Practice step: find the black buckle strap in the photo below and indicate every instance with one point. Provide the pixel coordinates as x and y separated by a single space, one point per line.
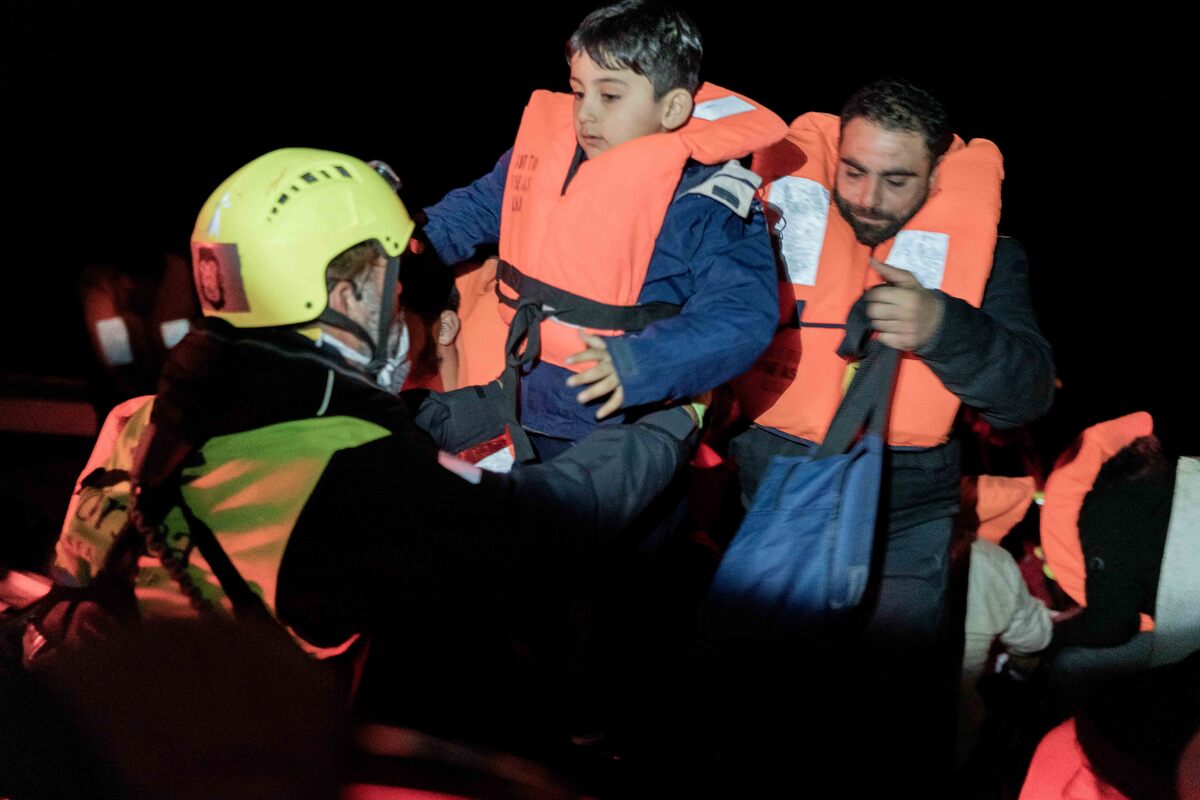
526 328
538 301
575 310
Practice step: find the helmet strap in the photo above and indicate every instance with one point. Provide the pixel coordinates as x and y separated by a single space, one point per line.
339 320
387 304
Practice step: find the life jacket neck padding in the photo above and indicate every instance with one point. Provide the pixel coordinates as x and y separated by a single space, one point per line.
948 245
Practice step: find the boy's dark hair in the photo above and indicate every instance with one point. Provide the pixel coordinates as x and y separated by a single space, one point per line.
897 104
658 42
428 289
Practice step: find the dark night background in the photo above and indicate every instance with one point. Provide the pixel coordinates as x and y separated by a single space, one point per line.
118 124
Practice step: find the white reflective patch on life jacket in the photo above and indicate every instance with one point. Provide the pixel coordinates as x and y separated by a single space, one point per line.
115 346
173 331
923 253
468 472
803 205
720 108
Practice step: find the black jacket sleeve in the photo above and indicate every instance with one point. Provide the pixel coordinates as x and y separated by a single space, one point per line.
994 358
393 527
459 419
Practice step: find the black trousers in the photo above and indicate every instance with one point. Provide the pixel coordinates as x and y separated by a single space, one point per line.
868 710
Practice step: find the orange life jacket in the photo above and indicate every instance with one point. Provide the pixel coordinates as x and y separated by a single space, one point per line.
1002 503
592 241
797 384
1066 488
1060 770
481 337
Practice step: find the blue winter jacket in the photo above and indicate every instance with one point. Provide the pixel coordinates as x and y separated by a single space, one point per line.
719 267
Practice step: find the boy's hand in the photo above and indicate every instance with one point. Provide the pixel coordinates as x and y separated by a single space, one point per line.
603 378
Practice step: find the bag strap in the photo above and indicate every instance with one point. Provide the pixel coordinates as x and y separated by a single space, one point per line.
157 487
247 604
867 402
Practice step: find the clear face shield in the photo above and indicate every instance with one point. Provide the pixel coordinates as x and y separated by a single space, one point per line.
396 364
384 332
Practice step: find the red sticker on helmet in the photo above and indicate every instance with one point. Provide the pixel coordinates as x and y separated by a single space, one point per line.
217 271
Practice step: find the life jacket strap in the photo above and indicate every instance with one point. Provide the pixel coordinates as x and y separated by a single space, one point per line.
538 301
525 328
576 310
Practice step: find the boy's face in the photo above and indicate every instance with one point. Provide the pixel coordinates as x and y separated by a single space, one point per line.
613 106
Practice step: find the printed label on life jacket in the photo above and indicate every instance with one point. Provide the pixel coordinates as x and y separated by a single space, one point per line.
520 179
803 206
720 108
923 253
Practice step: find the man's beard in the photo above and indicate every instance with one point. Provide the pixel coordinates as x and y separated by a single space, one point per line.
883 227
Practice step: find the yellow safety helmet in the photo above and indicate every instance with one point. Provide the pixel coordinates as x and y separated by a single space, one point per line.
263 240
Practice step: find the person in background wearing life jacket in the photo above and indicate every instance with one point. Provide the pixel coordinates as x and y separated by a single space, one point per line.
886 221
1138 738
135 313
1121 532
1001 613
334 497
635 263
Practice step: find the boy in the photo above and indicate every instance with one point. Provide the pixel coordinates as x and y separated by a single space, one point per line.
616 213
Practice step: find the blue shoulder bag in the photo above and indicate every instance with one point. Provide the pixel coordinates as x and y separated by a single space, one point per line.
802 556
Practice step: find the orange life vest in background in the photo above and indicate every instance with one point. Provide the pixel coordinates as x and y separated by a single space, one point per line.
1060 770
594 238
480 342
1001 503
797 384
1065 491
